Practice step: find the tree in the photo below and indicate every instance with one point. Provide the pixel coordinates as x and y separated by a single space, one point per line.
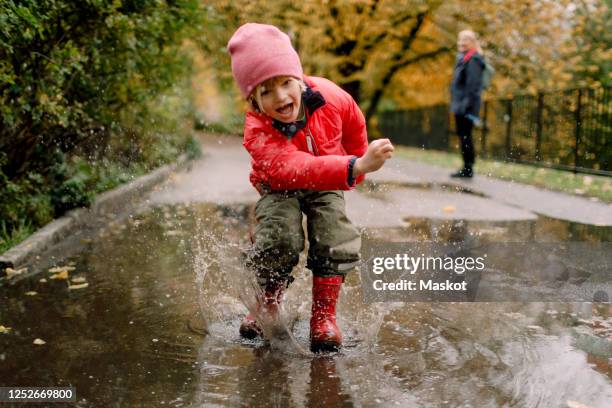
78 78
591 42
403 51
69 69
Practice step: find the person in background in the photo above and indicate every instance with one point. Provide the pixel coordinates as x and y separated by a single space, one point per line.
466 89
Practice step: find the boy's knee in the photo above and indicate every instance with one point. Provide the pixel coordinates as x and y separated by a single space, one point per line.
282 243
335 253
283 252
275 261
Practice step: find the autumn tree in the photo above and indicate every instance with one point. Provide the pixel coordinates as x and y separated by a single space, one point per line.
402 52
591 42
359 45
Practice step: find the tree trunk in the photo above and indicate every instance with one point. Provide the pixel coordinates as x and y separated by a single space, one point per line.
380 91
353 88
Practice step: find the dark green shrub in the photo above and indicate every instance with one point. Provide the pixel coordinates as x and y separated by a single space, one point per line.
72 193
92 93
193 148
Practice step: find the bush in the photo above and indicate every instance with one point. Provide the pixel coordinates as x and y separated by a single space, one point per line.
23 200
71 68
193 148
92 93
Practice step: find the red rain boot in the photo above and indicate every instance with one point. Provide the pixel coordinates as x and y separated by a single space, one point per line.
272 297
324 332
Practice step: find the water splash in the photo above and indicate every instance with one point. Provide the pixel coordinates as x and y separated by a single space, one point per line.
220 275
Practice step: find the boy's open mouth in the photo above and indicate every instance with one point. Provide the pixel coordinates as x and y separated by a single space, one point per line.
286 109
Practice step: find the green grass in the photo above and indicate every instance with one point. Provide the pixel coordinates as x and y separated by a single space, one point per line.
11 238
556 180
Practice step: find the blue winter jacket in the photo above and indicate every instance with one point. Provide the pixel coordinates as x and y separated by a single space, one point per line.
466 86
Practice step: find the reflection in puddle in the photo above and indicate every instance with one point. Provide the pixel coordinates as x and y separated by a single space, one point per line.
125 339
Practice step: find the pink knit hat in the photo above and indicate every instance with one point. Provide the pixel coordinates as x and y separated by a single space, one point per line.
260 52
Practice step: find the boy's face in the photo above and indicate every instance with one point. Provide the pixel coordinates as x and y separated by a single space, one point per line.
281 99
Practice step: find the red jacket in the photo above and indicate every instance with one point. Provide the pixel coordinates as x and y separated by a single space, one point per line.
282 161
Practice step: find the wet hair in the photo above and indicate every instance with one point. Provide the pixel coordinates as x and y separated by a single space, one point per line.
255 97
473 37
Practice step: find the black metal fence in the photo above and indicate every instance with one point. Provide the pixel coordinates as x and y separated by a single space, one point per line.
569 130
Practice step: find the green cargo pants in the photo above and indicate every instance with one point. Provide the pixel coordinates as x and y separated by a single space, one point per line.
334 243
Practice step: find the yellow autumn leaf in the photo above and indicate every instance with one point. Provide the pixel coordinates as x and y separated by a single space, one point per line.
61 269
575 404
39 342
10 272
31 293
4 329
449 208
79 286
60 275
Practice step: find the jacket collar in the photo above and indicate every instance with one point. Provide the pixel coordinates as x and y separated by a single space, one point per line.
311 100
468 55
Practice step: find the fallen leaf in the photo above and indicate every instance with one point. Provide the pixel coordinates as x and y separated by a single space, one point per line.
4 329
61 275
10 272
43 280
575 404
78 279
79 286
449 208
39 342
31 293
59 269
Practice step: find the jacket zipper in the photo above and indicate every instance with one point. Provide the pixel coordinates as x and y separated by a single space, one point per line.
310 141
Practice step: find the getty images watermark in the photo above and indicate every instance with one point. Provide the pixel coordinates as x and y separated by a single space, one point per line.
487 272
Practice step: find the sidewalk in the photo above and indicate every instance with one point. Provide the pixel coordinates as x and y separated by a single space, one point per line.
414 190
537 200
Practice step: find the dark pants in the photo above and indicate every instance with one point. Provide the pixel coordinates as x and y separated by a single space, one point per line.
334 243
464 131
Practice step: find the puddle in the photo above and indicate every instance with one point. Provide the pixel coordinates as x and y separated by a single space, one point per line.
542 229
379 188
389 204
157 325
